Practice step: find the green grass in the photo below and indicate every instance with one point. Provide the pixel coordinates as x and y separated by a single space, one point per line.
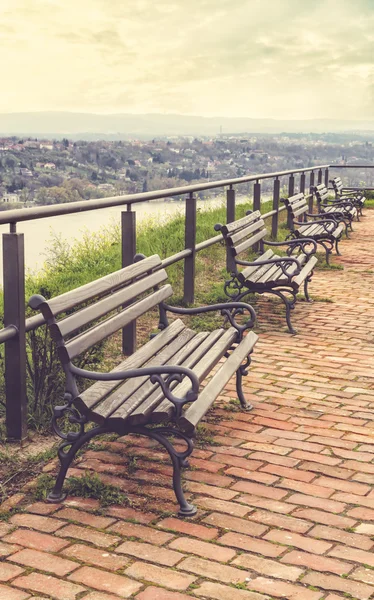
87 486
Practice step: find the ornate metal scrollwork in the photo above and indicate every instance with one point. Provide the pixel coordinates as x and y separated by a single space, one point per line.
231 313
232 287
73 416
165 385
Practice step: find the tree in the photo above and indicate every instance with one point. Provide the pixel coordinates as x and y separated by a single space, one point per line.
65 142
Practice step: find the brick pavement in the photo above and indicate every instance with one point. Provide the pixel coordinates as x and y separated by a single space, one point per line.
285 493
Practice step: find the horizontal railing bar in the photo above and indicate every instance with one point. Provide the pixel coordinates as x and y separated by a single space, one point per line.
170 260
351 166
210 242
8 333
34 322
369 189
30 214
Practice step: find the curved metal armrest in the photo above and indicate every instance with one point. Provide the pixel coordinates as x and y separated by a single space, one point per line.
343 203
319 222
268 261
228 310
296 243
352 193
174 375
283 262
316 215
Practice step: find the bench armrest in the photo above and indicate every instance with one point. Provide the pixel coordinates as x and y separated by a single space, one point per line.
228 309
313 216
339 202
297 243
174 375
283 262
324 223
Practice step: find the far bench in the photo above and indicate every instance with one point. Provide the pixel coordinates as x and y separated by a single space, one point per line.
341 193
159 383
269 273
339 209
325 230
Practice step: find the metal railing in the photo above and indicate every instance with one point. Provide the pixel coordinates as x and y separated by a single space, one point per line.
13 335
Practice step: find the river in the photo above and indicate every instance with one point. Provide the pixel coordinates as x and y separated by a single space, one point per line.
39 233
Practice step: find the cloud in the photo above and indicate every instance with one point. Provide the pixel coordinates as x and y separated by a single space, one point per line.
255 58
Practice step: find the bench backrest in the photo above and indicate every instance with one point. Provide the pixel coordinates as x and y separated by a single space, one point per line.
321 193
95 311
297 206
337 184
244 233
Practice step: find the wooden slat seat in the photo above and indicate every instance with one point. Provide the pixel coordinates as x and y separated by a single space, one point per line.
325 229
269 272
354 196
160 381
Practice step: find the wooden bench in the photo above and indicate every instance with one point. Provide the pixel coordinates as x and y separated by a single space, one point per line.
356 197
160 383
269 273
325 231
338 209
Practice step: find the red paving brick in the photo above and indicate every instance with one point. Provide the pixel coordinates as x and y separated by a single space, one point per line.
286 507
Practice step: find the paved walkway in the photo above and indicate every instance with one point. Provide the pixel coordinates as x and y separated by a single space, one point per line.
286 498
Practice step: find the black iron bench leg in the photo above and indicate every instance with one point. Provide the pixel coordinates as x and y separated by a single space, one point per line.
306 292
66 458
239 385
289 304
328 250
179 460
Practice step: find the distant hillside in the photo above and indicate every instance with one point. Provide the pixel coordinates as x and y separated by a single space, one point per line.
117 126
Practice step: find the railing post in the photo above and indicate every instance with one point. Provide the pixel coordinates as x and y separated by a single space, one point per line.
257 196
327 177
302 183
302 190
291 191
15 349
319 176
190 243
291 185
311 186
257 206
128 231
230 217
274 220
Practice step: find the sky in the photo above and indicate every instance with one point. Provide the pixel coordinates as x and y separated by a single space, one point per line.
280 59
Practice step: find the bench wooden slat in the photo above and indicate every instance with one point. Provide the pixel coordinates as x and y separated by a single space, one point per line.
102 307
132 391
300 211
296 198
310 229
233 239
201 368
298 204
140 415
196 411
263 273
236 225
104 284
247 271
99 390
300 278
249 242
106 328
276 273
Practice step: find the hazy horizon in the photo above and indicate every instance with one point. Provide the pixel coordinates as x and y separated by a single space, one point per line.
260 59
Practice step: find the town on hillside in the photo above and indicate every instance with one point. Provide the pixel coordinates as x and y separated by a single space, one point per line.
43 171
